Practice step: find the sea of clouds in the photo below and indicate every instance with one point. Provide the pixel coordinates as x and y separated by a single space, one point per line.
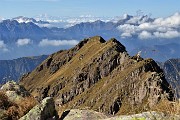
161 28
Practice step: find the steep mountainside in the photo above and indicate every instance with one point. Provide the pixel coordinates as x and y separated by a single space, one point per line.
99 75
13 69
171 69
11 30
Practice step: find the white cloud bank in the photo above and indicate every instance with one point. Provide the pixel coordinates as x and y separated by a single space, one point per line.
3 46
46 42
23 42
166 28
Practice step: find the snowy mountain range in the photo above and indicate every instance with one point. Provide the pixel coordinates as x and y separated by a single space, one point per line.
66 21
47 34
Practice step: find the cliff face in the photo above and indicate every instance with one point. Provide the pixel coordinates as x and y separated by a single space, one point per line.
99 75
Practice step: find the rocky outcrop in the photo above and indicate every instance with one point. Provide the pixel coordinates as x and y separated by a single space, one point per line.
13 86
138 88
44 111
14 91
100 75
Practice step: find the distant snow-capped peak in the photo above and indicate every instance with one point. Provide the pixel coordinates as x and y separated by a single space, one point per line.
1 19
22 19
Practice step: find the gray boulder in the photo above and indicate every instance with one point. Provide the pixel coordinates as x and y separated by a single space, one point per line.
13 96
14 91
44 111
76 114
13 86
150 115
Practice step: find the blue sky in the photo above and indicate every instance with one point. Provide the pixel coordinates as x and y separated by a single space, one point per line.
30 8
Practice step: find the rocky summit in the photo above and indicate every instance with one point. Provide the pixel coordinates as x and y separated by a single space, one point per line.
99 75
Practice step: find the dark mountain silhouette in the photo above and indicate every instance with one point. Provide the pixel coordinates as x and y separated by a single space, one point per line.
171 69
13 69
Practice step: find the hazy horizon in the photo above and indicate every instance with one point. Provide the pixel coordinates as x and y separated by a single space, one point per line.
32 8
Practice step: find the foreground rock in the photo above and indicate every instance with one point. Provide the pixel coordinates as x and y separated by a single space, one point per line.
14 91
76 114
151 115
15 101
13 86
44 111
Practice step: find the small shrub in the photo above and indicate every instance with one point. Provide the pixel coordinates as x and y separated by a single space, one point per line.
13 113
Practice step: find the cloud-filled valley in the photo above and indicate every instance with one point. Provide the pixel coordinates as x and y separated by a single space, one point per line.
22 42
46 42
3 46
158 28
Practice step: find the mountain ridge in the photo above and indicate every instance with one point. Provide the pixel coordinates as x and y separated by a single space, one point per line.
100 75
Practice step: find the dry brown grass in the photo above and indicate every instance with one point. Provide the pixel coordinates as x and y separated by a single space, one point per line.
4 102
27 104
16 110
168 107
21 108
